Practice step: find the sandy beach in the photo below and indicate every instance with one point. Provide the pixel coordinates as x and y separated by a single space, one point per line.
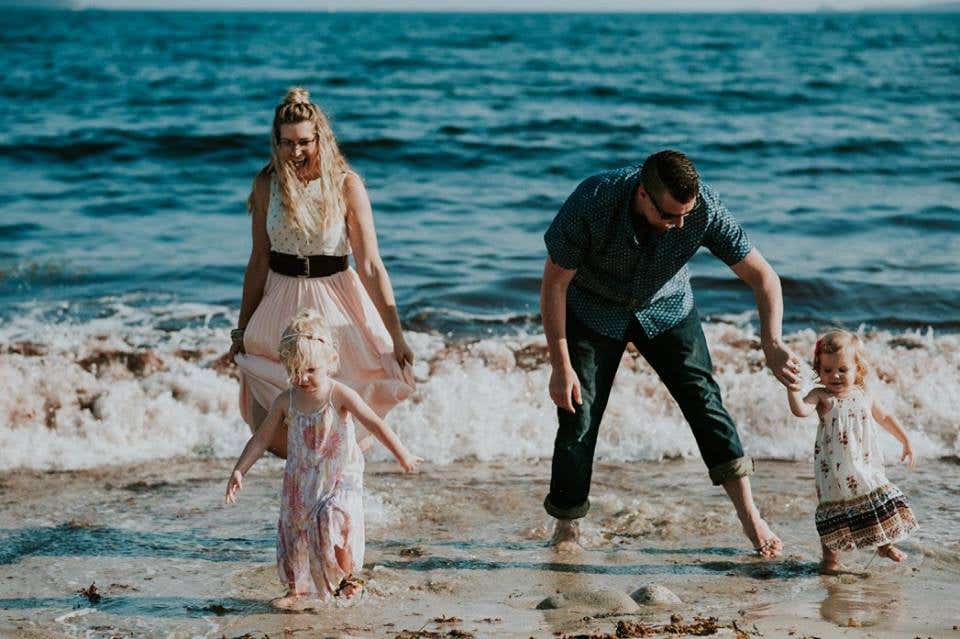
114 471
457 551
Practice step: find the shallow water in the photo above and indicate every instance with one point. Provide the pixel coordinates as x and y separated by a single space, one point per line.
465 540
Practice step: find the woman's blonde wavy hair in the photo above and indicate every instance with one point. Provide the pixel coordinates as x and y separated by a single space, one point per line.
836 341
306 214
306 343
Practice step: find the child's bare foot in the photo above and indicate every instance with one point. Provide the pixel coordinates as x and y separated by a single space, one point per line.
566 536
289 601
830 565
891 552
766 544
349 587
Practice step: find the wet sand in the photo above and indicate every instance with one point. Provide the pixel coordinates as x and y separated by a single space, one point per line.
458 550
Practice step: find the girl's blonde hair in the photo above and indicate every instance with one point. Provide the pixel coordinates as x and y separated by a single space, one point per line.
306 214
306 343
837 340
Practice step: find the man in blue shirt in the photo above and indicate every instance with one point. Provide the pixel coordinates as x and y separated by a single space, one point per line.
617 273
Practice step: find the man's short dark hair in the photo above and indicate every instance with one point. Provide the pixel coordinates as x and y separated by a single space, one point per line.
670 171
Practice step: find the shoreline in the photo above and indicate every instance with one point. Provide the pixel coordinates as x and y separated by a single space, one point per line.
99 397
465 541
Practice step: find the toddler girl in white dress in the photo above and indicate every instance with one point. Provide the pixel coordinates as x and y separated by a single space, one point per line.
858 507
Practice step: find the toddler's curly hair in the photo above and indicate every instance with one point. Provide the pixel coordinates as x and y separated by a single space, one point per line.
837 340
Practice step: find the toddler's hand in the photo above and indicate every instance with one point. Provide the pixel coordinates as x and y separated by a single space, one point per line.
410 462
233 486
907 454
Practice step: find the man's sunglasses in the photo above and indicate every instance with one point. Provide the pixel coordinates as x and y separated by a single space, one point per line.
673 216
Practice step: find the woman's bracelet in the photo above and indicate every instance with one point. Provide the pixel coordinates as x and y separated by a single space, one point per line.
236 336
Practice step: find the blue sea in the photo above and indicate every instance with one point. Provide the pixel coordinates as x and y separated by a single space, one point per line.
128 143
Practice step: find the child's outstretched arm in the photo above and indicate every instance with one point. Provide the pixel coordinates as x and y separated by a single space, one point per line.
892 426
355 405
256 446
803 406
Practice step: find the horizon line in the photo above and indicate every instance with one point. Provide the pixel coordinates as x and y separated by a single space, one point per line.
921 9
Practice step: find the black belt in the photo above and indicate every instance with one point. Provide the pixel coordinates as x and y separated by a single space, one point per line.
307 265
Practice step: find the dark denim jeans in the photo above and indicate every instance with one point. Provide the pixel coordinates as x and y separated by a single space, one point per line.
681 359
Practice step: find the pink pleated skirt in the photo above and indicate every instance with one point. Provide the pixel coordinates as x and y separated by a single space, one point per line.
367 362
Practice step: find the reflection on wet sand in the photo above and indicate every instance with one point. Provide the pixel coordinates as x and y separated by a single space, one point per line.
864 599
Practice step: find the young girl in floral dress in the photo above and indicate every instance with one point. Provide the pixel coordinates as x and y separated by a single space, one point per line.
320 536
858 506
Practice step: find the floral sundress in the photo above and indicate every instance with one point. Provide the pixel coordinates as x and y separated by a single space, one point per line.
858 506
322 504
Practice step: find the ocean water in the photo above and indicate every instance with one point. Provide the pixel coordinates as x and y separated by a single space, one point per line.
128 142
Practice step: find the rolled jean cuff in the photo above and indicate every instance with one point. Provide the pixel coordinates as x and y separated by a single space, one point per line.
733 469
574 512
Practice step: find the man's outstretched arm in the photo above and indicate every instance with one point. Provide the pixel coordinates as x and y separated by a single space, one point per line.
760 276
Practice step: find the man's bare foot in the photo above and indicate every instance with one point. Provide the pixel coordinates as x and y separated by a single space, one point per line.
566 536
891 552
765 542
289 601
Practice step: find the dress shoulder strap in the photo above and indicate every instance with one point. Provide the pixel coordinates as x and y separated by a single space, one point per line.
329 402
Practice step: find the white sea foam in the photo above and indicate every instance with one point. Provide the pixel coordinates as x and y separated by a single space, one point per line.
121 389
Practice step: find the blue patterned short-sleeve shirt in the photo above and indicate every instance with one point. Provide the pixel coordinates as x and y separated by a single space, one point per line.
625 270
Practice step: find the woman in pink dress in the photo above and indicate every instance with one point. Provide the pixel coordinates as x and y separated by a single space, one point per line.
310 212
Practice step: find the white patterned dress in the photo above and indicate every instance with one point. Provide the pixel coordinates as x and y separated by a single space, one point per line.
858 506
322 506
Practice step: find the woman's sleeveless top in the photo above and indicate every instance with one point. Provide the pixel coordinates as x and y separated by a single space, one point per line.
285 238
